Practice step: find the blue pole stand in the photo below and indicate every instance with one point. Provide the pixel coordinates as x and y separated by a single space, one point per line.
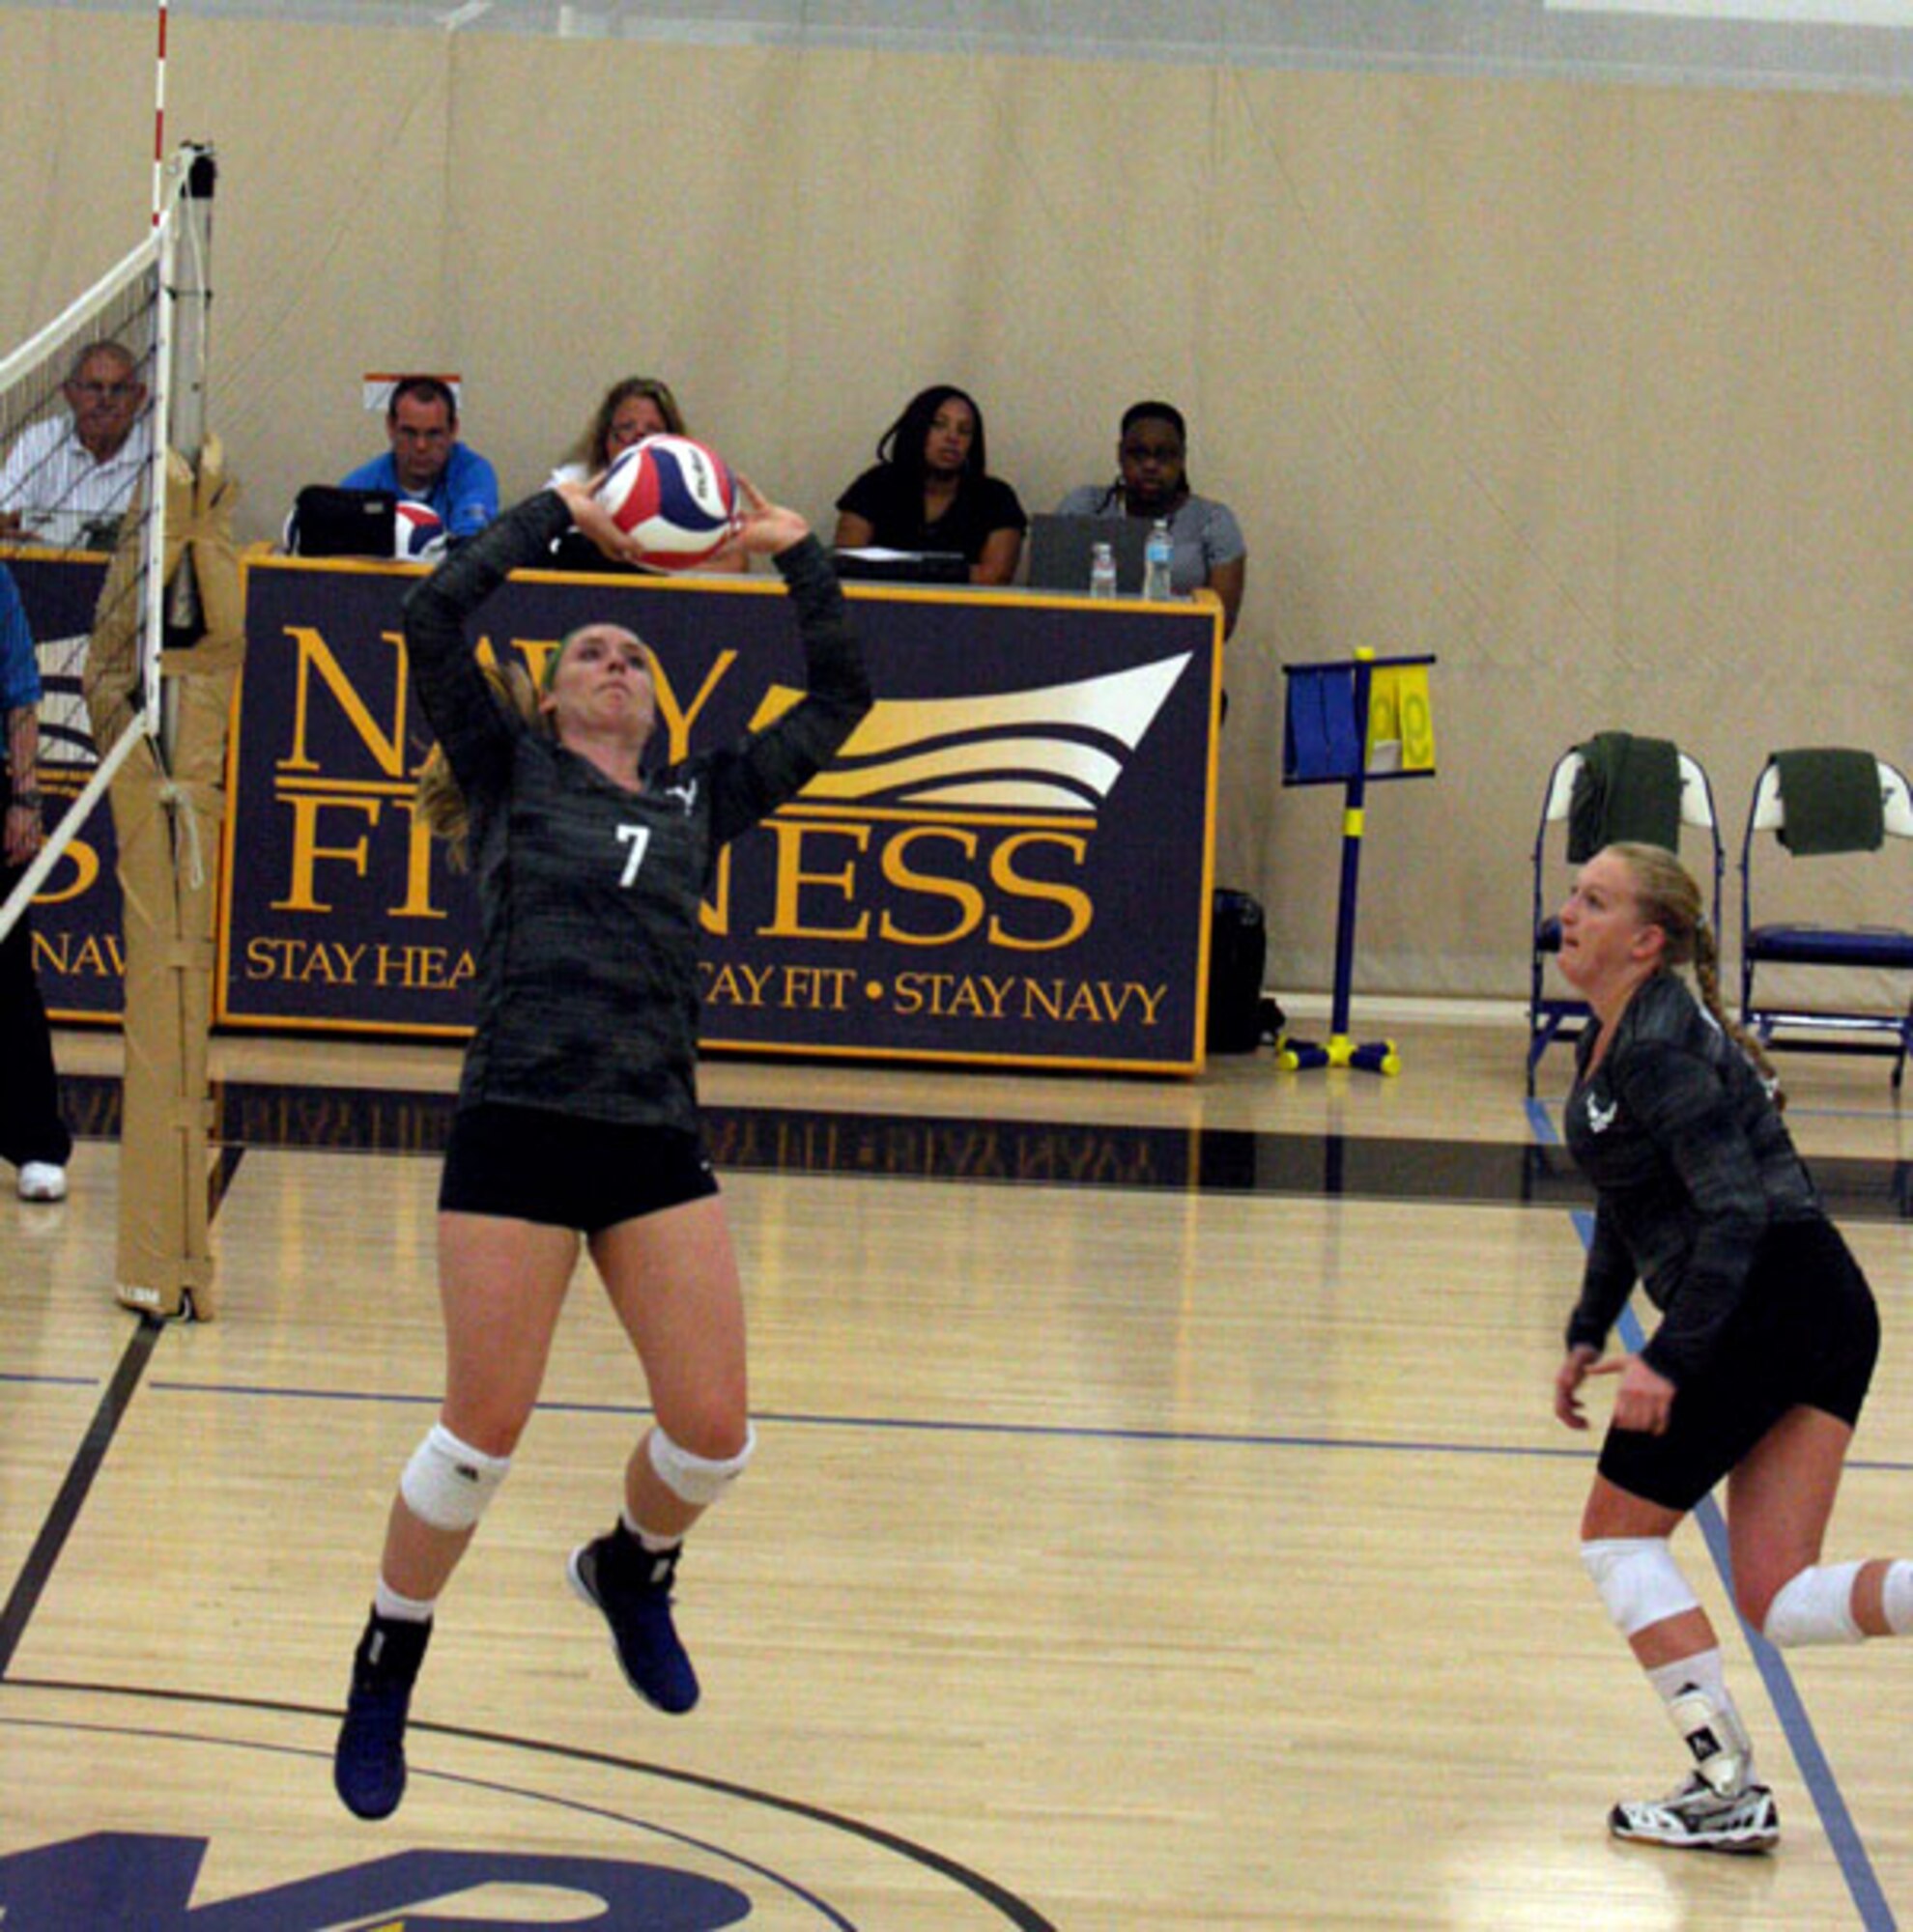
1325 740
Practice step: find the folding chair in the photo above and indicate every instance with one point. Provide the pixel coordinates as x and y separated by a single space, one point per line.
1548 1012
1800 943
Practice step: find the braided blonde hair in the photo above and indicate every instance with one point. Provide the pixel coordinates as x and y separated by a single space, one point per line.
1669 897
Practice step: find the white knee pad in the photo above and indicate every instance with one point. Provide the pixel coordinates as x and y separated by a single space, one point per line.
696 1480
1639 1580
449 1484
1814 1607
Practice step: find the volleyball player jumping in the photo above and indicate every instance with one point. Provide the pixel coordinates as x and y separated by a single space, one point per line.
577 1113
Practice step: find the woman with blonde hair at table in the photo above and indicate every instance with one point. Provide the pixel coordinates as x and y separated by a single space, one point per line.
632 409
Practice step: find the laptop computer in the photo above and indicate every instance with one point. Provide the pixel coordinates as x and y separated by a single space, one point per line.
1060 549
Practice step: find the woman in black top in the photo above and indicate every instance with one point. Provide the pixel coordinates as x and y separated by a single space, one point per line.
577 1113
930 489
1765 1347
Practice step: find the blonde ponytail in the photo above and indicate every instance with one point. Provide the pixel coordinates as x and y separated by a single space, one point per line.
1667 897
441 803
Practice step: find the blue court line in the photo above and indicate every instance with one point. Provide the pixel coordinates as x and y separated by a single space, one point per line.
1796 1726
1222 1439
931 1424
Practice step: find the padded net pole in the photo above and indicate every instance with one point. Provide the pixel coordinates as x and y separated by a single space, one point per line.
168 810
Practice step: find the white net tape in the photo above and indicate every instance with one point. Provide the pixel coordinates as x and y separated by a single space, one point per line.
77 404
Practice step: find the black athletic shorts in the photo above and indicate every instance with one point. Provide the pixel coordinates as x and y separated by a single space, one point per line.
1807 1333
531 1165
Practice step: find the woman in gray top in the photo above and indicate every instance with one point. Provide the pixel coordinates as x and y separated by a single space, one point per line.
1765 1347
576 1116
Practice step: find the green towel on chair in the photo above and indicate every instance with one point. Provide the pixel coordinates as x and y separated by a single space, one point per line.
1627 788
1831 801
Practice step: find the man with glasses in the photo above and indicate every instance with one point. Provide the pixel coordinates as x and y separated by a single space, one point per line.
66 481
427 463
1152 483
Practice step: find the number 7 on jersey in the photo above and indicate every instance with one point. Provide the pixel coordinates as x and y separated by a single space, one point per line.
637 836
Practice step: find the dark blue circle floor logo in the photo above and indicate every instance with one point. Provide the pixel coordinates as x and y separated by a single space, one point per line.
171 1812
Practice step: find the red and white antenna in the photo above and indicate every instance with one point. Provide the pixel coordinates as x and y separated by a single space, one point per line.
159 119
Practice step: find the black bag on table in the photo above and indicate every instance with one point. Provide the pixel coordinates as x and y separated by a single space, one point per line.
330 521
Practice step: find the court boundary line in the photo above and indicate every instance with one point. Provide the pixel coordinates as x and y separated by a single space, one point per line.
932 1425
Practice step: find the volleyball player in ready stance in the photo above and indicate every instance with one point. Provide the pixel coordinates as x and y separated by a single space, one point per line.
576 1112
1765 1350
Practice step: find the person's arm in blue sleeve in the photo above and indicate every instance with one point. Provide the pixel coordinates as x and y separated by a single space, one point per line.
20 667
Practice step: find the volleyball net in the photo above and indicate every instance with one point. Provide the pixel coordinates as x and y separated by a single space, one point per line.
104 458
81 449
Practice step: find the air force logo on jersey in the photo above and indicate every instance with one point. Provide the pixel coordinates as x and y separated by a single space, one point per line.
1601 1119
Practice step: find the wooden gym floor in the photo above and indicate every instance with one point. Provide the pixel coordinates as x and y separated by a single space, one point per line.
1158 1523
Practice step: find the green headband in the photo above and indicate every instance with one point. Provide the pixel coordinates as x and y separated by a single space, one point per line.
549 677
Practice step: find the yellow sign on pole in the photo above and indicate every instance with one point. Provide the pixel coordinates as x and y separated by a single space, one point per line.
1401 725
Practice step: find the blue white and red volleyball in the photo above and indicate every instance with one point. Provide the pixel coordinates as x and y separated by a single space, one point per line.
677 498
419 534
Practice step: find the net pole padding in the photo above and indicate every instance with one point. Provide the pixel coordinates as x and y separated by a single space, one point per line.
171 1256
168 827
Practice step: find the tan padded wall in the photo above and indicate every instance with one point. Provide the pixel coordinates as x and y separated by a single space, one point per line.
1597 392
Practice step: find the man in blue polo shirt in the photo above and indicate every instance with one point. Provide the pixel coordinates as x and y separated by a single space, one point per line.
427 463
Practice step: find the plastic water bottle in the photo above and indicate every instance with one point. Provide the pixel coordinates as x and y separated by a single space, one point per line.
1102 571
1158 554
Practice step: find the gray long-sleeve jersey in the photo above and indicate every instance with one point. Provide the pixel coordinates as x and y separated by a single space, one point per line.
588 894
1692 1164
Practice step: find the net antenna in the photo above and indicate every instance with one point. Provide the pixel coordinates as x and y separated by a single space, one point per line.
159 114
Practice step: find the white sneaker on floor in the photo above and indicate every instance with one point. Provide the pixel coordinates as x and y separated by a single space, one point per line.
43 1180
1698 1818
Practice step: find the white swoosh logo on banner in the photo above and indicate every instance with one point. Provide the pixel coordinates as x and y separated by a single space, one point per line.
1058 748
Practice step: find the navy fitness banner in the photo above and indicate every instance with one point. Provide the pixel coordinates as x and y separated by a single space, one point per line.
1010 861
76 912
